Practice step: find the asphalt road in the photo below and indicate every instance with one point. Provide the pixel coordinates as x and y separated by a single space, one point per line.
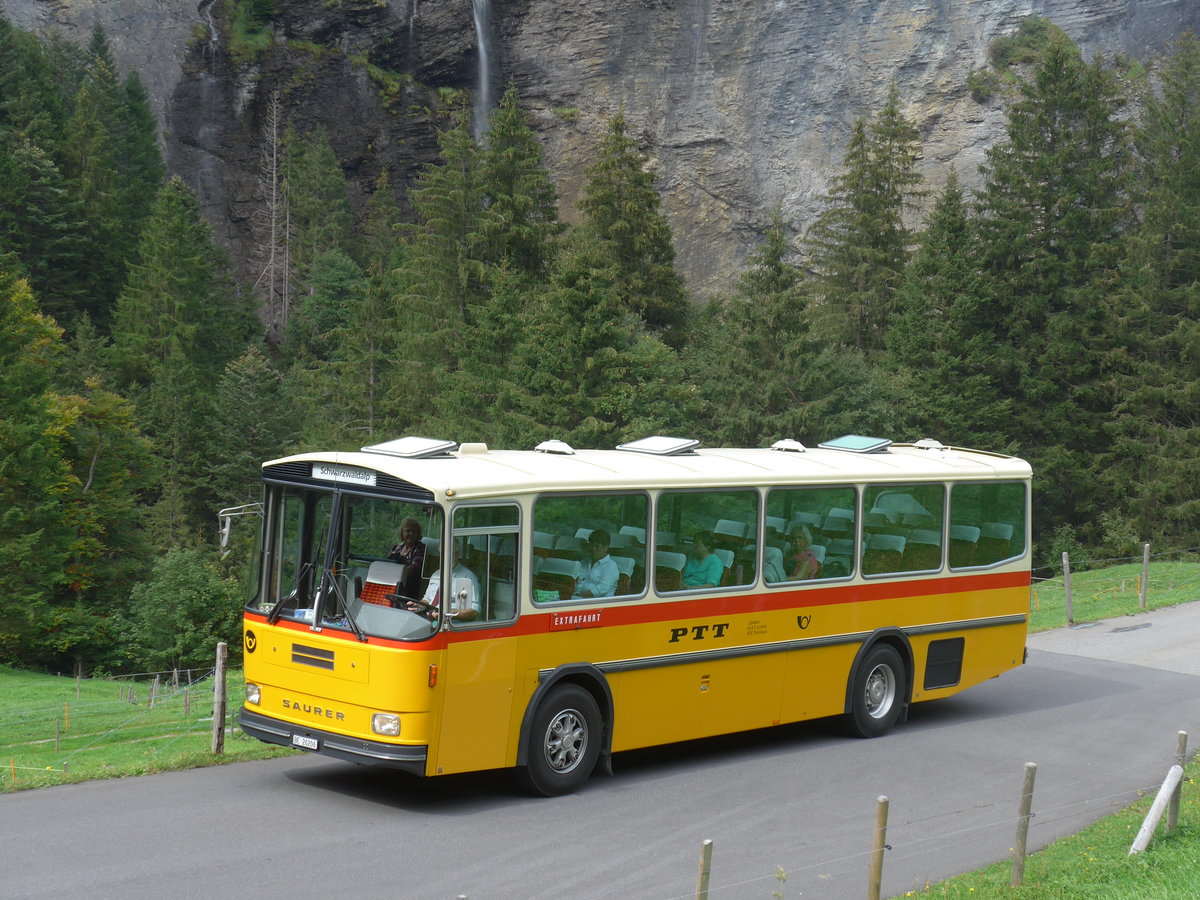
1098 710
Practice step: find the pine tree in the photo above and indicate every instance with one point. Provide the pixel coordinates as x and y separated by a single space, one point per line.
583 369
943 333
859 245
761 371
1050 217
176 324
34 536
1152 466
519 193
621 207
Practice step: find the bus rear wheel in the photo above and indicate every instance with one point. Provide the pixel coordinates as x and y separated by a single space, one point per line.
564 743
877 693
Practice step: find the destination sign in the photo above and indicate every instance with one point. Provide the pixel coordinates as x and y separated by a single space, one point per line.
331 472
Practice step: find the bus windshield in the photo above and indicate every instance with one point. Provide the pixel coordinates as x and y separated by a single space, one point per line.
340 560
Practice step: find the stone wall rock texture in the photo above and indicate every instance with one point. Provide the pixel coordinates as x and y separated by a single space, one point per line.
741 105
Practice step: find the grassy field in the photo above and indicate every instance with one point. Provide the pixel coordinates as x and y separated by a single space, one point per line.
55 730
1105 593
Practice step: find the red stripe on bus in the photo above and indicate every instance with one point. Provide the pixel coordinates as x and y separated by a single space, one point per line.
649 612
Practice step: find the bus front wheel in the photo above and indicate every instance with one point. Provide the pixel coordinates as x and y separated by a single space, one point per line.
877 693
564 742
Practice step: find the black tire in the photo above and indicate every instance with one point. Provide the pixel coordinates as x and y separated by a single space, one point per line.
878 692
564 742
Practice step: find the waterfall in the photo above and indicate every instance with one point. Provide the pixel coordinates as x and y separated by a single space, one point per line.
483 89
205 10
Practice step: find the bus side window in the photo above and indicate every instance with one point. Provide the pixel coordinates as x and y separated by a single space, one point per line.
902 528
987 523
817 537
564 568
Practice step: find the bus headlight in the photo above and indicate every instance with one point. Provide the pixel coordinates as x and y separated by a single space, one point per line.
386 724
253 694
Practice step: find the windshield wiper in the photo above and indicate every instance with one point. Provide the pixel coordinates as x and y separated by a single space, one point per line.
358 632
277 609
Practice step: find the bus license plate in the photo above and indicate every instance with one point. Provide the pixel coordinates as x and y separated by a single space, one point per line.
304 742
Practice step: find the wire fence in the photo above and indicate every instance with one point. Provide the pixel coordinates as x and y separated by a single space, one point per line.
90 724
1093 588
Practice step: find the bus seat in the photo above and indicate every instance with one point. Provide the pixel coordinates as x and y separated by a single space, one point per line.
776 525
557 574
566 547
583 533
838 525
637 534
884 553
383 578
963 540
666 540
773 571
878 520
668 570
625 566
995 542
730 532
811 519
621 540
433 555
543 543
923 551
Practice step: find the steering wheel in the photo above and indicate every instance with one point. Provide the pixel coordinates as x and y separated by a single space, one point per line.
399 601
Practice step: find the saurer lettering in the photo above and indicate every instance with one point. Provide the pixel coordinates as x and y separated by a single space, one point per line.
314 710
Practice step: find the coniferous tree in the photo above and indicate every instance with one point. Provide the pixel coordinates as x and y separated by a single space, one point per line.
762 372
583 368
859 245
176 324
1050 216
519 193
319 217
622 209
943 334
34 537
1152 465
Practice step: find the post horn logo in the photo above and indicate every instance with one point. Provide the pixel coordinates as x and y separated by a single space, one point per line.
251 641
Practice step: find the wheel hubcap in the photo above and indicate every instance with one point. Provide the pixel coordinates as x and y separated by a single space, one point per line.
881 692
566 739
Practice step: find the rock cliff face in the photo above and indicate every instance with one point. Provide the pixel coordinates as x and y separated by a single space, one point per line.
741 105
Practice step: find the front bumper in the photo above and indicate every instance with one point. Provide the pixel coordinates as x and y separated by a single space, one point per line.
274 731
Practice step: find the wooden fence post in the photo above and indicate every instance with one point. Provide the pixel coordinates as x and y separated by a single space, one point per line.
1018 867
218 720
1145 575
1067 588
1156 810
880 844
1180 760
705 872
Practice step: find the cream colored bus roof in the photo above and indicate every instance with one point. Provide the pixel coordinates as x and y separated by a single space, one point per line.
474 471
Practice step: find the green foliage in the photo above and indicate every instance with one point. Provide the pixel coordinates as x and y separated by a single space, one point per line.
1151 465
1050 218
859 245
621 208
1027 45
181 611
762 372
34 537
177 323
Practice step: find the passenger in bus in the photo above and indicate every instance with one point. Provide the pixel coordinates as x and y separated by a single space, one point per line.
703 568
409 552
462 608
601 577
803 560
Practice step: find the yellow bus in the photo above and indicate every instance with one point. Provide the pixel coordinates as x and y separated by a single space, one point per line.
604 600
